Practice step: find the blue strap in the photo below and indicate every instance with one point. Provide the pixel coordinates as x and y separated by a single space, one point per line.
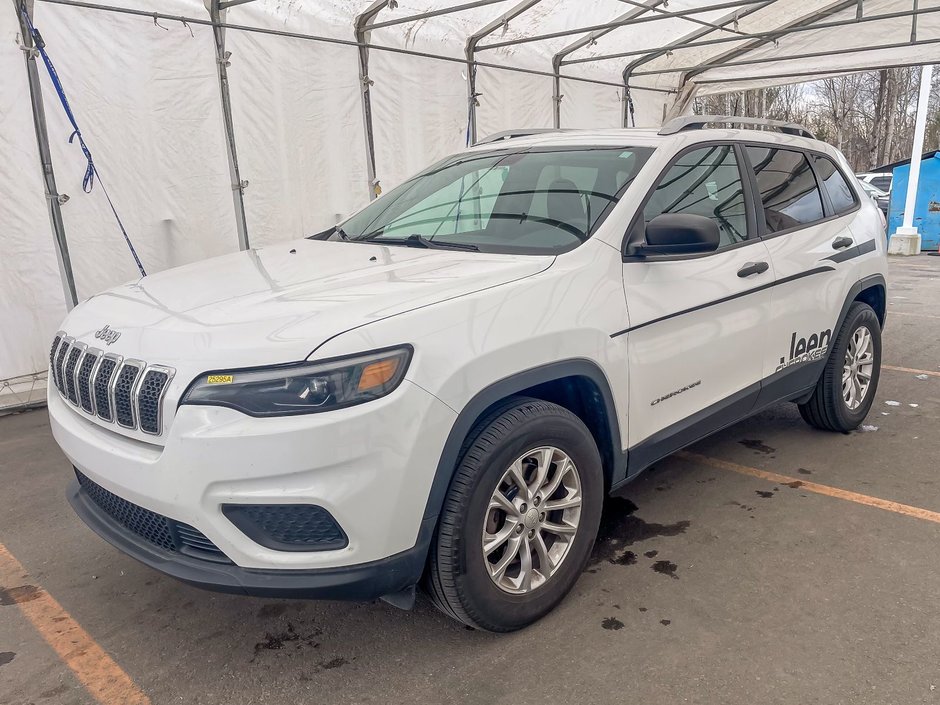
91 171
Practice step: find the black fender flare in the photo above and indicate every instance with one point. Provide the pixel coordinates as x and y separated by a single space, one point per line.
471 413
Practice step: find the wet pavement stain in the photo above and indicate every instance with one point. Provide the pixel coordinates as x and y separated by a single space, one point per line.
665 622
795 485
628 558
620 529
651 554
276 641
6 657
804 471
642 609
757 446
666 568
763 493
612 623
23 593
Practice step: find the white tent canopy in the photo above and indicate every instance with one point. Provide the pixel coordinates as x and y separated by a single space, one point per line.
324 99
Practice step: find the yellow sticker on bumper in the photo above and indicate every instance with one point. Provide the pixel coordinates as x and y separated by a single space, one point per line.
220 379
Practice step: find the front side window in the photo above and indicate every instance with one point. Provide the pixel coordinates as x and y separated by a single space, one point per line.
841 196
787 188
707 182
538 201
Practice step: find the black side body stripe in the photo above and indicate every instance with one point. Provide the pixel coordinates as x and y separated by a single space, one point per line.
785 280
853 252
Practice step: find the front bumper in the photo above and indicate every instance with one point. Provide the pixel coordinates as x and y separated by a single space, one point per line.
366 581
370 466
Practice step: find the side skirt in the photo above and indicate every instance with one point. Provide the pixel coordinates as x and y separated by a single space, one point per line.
786 385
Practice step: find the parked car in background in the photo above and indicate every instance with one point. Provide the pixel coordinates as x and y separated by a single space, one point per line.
441 390
882 198
880 180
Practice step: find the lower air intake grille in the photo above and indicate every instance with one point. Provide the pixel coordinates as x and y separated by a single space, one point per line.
287 527
161 531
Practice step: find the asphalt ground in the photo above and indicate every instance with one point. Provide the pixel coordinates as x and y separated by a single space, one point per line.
770 563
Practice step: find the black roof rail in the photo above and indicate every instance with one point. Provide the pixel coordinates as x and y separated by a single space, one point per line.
521 132
698 122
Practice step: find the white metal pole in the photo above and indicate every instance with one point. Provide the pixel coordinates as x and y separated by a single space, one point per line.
909 241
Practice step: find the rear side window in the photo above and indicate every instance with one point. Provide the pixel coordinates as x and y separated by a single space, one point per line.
705 182
788 188
841 196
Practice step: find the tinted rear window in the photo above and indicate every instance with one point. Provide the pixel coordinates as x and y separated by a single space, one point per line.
841 196
788 188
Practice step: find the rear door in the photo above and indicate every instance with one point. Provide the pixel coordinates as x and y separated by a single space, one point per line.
807 207
698 323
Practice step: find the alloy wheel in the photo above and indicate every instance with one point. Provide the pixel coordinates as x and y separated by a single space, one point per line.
531 520
858 367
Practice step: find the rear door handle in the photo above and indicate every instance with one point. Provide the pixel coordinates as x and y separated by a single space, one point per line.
840 243
753 268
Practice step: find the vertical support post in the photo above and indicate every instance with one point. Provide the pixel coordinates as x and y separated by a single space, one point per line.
906 239
222 64
470 50
556 91
362 23
53 199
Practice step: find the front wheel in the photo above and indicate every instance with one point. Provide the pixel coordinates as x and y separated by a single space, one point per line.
520 518
846 389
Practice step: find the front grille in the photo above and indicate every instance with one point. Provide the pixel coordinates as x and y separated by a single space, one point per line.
163 532
106 385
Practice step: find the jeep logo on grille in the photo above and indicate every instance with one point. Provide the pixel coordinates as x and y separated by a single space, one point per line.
107 335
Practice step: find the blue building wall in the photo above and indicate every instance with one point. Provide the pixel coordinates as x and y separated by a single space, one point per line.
927 207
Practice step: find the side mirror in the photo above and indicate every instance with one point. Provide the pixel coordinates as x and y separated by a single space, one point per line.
679 234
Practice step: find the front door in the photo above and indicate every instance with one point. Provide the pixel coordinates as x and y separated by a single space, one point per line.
698 323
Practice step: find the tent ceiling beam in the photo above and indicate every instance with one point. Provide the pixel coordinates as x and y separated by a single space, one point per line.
841 71
434 13
226 4
808 20
775 59
623 23
693 20
770 36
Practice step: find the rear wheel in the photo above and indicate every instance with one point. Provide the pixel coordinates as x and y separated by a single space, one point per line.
846 389
520 518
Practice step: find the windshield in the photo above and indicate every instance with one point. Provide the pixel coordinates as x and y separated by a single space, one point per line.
536 201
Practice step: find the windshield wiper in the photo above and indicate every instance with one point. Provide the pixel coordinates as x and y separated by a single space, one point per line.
422 242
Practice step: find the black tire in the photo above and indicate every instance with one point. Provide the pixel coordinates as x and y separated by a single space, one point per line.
826 409
457 577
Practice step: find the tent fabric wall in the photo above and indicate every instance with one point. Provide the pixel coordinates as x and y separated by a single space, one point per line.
146 95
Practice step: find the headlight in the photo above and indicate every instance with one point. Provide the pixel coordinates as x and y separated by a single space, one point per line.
304 388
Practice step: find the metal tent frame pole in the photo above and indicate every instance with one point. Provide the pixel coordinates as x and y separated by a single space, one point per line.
362 25
587 40
216 9
470 53
731 18
54 200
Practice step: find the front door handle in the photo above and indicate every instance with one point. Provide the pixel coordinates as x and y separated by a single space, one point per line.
753 268
840 243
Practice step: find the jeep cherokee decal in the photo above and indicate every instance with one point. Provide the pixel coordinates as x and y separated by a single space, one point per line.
806 350
678 391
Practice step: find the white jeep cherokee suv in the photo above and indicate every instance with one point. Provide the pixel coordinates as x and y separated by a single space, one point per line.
442 389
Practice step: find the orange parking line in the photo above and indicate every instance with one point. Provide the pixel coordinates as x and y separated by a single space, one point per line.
795 482
97 671
911 370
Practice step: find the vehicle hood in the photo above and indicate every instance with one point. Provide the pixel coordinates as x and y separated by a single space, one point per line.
280 303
